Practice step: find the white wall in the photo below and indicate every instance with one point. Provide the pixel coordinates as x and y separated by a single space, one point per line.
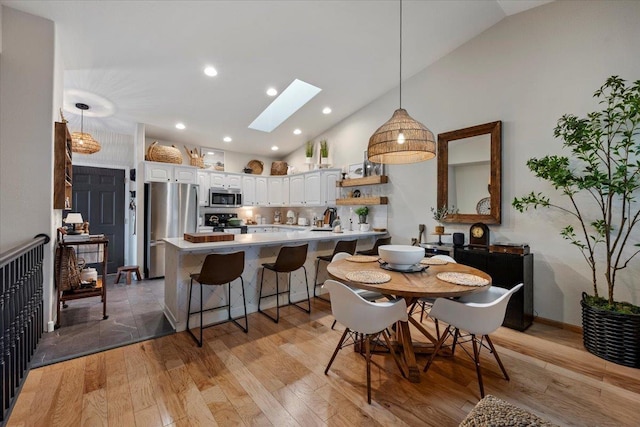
527 71
30 93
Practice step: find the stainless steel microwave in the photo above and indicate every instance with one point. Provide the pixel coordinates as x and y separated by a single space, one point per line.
225 197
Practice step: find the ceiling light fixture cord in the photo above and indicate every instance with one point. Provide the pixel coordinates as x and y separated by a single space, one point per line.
400 53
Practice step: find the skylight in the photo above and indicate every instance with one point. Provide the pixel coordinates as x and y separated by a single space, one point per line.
290 100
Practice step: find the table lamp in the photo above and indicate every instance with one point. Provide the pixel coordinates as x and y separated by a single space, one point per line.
74 219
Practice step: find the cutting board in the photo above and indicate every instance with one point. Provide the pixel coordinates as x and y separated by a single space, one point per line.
208 237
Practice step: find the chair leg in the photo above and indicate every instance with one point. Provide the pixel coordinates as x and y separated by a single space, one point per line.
306 283
334 323
277 318
189 315
423 304
338 347
367 350
495 354
316 284
201 314
436 349
476 359
455 341
245 328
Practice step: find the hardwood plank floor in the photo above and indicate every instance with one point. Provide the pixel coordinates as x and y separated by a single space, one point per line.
274 376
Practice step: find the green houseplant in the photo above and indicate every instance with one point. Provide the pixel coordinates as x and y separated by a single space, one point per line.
600 179
362 213
324 150
308 151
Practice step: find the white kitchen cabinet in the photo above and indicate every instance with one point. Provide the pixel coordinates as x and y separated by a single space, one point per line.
312 189
248 190
296 190
329 188
262 191
166 172
225 180
260 229
275 192
203 188
185 174
216 180
285 191
233 181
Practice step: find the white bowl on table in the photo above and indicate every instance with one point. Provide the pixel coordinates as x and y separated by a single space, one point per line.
401 257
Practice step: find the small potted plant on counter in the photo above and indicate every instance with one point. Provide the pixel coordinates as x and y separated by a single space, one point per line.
440 214
362 213
600 178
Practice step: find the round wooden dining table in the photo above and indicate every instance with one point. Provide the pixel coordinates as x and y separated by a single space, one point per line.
411 287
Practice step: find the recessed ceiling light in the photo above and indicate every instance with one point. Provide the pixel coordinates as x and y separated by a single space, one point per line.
227 139
272 92
274 148
326 110
297 132
180 126
210 71
288 102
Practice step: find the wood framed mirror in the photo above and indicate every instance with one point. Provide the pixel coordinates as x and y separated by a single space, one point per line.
469 173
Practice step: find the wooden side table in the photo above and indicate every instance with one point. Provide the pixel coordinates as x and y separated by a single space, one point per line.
101 285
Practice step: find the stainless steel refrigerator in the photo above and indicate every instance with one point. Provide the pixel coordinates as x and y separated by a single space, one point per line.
171 209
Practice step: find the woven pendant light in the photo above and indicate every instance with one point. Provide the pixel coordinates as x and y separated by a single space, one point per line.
82 142
401 139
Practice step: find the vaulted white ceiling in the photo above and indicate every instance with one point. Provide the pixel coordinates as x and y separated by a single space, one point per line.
143 61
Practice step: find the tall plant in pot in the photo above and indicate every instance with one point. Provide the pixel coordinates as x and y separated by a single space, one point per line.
601 180
324 152
308 151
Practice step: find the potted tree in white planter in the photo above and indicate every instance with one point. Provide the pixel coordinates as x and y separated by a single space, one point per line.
601 180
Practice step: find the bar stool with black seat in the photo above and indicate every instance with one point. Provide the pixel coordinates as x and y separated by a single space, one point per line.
374 250
218 270
290 259
346 246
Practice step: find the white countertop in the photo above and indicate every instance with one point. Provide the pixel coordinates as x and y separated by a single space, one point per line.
263 239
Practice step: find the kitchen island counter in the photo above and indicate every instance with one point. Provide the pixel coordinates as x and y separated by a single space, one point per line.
183 258
273 238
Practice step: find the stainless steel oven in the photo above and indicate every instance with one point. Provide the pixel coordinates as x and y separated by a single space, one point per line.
225 197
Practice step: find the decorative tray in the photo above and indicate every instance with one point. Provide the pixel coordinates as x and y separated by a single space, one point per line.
416 268
367 276
462 278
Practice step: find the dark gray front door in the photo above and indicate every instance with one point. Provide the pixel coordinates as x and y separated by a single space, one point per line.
98 194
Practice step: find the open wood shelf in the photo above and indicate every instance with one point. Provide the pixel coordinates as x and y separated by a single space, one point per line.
62 172
352 201
367 180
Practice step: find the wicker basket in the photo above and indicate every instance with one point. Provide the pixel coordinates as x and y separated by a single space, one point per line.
164 154
197 161
256 166
279 168
611 336
66 267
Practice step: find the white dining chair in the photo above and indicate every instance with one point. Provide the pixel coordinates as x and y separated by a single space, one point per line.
361 317
478 315
368 295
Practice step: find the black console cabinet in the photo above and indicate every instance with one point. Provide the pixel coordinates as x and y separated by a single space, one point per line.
506 271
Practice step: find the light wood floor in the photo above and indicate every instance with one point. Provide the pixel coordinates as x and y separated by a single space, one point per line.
274 376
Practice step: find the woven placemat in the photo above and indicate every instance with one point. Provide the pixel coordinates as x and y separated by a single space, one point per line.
362 258
433 261
368 276
465 279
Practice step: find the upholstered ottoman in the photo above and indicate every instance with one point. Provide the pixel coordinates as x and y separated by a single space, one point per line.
494 412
